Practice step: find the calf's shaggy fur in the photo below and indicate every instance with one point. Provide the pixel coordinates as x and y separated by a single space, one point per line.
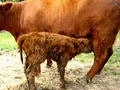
41 46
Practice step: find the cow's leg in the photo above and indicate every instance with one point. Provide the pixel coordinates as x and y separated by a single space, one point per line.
110 52
61 69
101 52
29 72
49 62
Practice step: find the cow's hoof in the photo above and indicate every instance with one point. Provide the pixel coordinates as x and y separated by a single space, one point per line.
88 80
81 80
85 80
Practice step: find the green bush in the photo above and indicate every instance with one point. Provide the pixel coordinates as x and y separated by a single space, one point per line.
10 0
7 41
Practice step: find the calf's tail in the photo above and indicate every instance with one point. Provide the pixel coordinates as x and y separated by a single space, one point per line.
20 41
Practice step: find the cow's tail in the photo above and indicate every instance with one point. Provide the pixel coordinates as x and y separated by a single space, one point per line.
20 41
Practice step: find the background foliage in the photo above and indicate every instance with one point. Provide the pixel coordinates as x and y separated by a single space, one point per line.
7 42
10 0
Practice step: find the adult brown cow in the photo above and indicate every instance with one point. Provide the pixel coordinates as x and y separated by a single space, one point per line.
98 20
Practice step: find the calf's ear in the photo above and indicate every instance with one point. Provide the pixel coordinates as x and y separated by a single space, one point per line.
6 7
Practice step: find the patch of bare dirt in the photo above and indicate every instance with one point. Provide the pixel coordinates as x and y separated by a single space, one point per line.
12 76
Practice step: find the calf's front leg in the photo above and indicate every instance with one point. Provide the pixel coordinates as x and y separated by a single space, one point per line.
61 69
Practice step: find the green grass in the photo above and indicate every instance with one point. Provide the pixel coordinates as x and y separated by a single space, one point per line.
7 42
115 73
118 37
84 58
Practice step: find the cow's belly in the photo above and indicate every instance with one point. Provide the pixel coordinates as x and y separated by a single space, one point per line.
73 28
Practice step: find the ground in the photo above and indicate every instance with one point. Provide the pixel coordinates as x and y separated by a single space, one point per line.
12 76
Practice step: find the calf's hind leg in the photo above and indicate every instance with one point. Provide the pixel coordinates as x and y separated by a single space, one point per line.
29 72
49 62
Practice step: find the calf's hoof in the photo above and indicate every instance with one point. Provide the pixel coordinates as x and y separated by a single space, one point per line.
32 86
63 87
32 89
49 62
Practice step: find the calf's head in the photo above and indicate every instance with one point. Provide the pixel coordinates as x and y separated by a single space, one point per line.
83 45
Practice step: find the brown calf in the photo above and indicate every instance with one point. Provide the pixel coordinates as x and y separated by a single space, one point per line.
40 46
